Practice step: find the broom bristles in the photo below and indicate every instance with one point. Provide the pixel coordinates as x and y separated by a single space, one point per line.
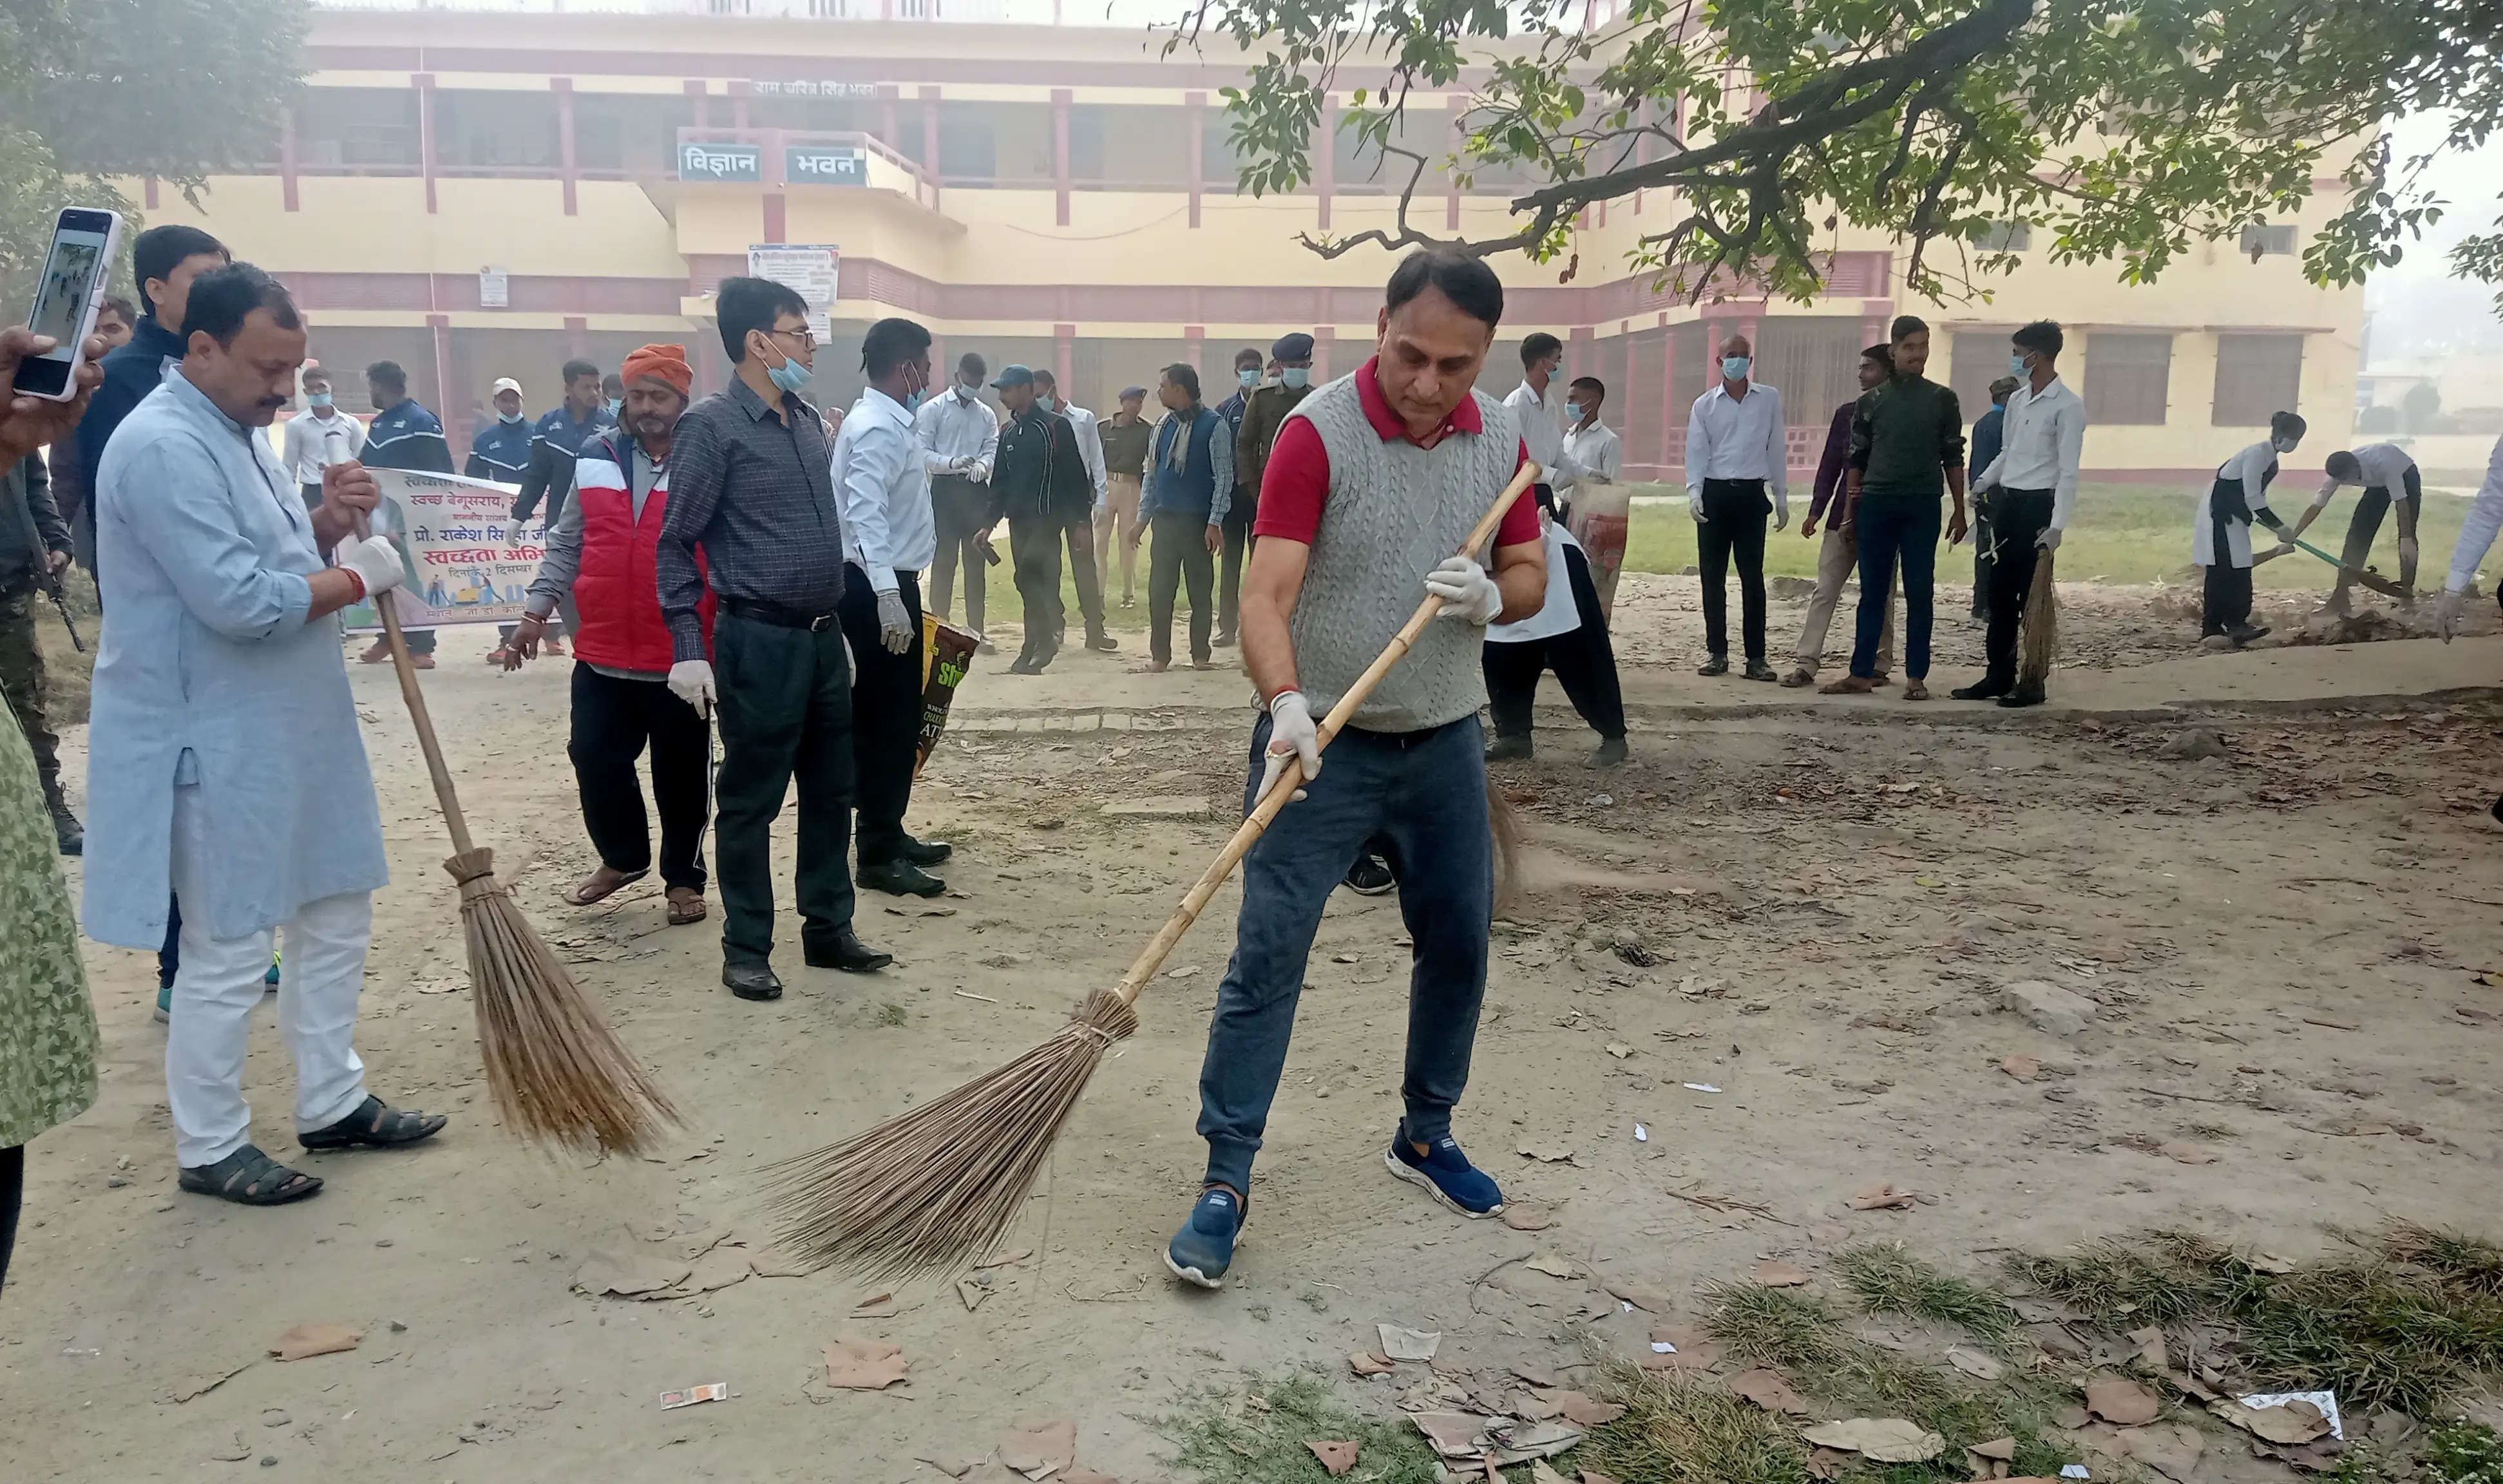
940 1185
559 1076
2038 641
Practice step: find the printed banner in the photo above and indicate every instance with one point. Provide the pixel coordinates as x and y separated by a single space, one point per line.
809 270
468 562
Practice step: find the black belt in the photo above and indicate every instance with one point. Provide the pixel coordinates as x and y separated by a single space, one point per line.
778 615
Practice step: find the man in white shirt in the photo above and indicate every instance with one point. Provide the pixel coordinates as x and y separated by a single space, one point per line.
890 535
2476 536
2041 439
319 437
1569 632
1736 450
2390 481
1080 534
960 437
1541 414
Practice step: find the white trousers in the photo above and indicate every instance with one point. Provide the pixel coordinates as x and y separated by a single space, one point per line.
223 978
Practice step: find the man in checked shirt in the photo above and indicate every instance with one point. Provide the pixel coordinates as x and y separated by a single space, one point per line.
751 484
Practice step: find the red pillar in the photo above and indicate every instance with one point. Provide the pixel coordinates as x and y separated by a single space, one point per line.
1670 410
930 140
739 104
890 129
777 211
566 158
456 419
1195 347
701 97
287 157
1324 341
1197 104
424 136
1064 348
1060 153
577 337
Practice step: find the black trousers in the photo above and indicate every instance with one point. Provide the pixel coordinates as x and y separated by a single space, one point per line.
1034 548
963 512
786 714
13 1189
1177 554
1584 663
1238 549
886 715
613 720
1982 552
2366 524
2016 518
1078 539
1735 512
2227 601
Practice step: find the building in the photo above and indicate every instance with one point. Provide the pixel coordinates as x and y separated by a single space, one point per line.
484 193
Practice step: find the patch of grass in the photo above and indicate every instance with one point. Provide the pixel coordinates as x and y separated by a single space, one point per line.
1677 1431
2459 1261
892 1014
1782 1327
2156 1277
1266 1444
1888 1280
2463 1453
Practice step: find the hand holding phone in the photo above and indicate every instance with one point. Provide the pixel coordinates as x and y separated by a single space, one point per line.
67 296
30 423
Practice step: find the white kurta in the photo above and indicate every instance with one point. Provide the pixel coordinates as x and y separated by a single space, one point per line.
2251 467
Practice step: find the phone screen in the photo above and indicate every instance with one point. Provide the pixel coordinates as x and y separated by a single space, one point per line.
71 277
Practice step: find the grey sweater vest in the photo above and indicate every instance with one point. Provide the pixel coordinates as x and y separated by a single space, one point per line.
1393 512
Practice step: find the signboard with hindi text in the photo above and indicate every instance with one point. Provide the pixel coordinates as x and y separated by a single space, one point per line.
468 562
808 269
721 162
808 164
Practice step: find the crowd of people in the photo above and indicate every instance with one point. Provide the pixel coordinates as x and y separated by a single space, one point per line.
748 568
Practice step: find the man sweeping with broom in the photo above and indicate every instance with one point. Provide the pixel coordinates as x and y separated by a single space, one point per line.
2034 475
1374 482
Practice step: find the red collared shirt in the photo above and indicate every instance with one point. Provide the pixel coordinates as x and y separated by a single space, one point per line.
1296 482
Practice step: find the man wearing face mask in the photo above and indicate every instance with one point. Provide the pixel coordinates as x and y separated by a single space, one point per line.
1983 447
1735 451
319 437
2033 489
2221 540
1126 434
1042 483
889 536
501 451
1190 486
960 438
1264 412
1080 537
557 439
751 488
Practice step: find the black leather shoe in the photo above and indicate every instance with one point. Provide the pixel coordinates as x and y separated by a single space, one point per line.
2022 695
1610 753
845 951
1718 665
1758 669
924 853
1102 643
1506 748
901 878
1980 690
752 981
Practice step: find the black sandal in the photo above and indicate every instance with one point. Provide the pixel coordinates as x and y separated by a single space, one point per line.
376 1126
250 1178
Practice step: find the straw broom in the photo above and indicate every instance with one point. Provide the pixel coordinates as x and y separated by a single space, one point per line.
944 1182
2038 641
558 1075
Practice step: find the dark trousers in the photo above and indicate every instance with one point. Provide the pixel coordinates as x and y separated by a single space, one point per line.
886 715
1735 512
2366 524
964 512
2226 604
1078 539
2016 518
1893 529
13 1190
1238 549
1420 795
1034 547
613 720
786 714
1584 663
1177 554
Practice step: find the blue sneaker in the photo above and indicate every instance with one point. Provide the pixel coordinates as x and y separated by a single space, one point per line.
1203 1249
1445 1175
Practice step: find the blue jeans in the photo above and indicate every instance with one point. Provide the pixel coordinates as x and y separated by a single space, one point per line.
1890 528
1423 795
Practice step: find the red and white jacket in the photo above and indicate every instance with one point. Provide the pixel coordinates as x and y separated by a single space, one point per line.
616 587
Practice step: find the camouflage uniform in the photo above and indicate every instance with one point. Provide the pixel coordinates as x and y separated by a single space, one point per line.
31 529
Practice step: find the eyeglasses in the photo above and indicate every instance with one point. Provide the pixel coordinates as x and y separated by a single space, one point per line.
807 337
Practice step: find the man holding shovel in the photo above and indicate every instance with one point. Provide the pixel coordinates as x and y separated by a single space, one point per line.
1375 481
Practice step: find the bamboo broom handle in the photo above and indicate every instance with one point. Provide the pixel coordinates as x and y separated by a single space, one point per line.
417 712
1152 957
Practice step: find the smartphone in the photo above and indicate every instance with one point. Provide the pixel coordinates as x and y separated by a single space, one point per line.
67 298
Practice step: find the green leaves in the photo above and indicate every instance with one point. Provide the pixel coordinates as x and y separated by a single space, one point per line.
2125 131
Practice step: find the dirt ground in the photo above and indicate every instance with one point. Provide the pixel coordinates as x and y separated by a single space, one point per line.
1765 963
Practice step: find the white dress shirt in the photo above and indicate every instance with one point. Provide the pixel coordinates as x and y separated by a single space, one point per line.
1595 452
885 491
2477 531
1542 432
1090 445
2386 467
311 443
1730 439
955 426
2042 440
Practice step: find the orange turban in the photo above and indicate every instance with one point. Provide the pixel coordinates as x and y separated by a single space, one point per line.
669 362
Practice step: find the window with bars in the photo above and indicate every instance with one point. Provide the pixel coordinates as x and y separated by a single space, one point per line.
2260 240
2257 376
2129 377
1977 358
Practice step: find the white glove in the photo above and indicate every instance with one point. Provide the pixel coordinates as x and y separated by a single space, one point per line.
2446 615
1694 506
894 623
691 681
960 463
374 560
1467 590
1782 510
2049 540
2408 551
1291 735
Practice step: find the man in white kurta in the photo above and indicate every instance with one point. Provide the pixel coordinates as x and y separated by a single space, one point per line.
224 757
